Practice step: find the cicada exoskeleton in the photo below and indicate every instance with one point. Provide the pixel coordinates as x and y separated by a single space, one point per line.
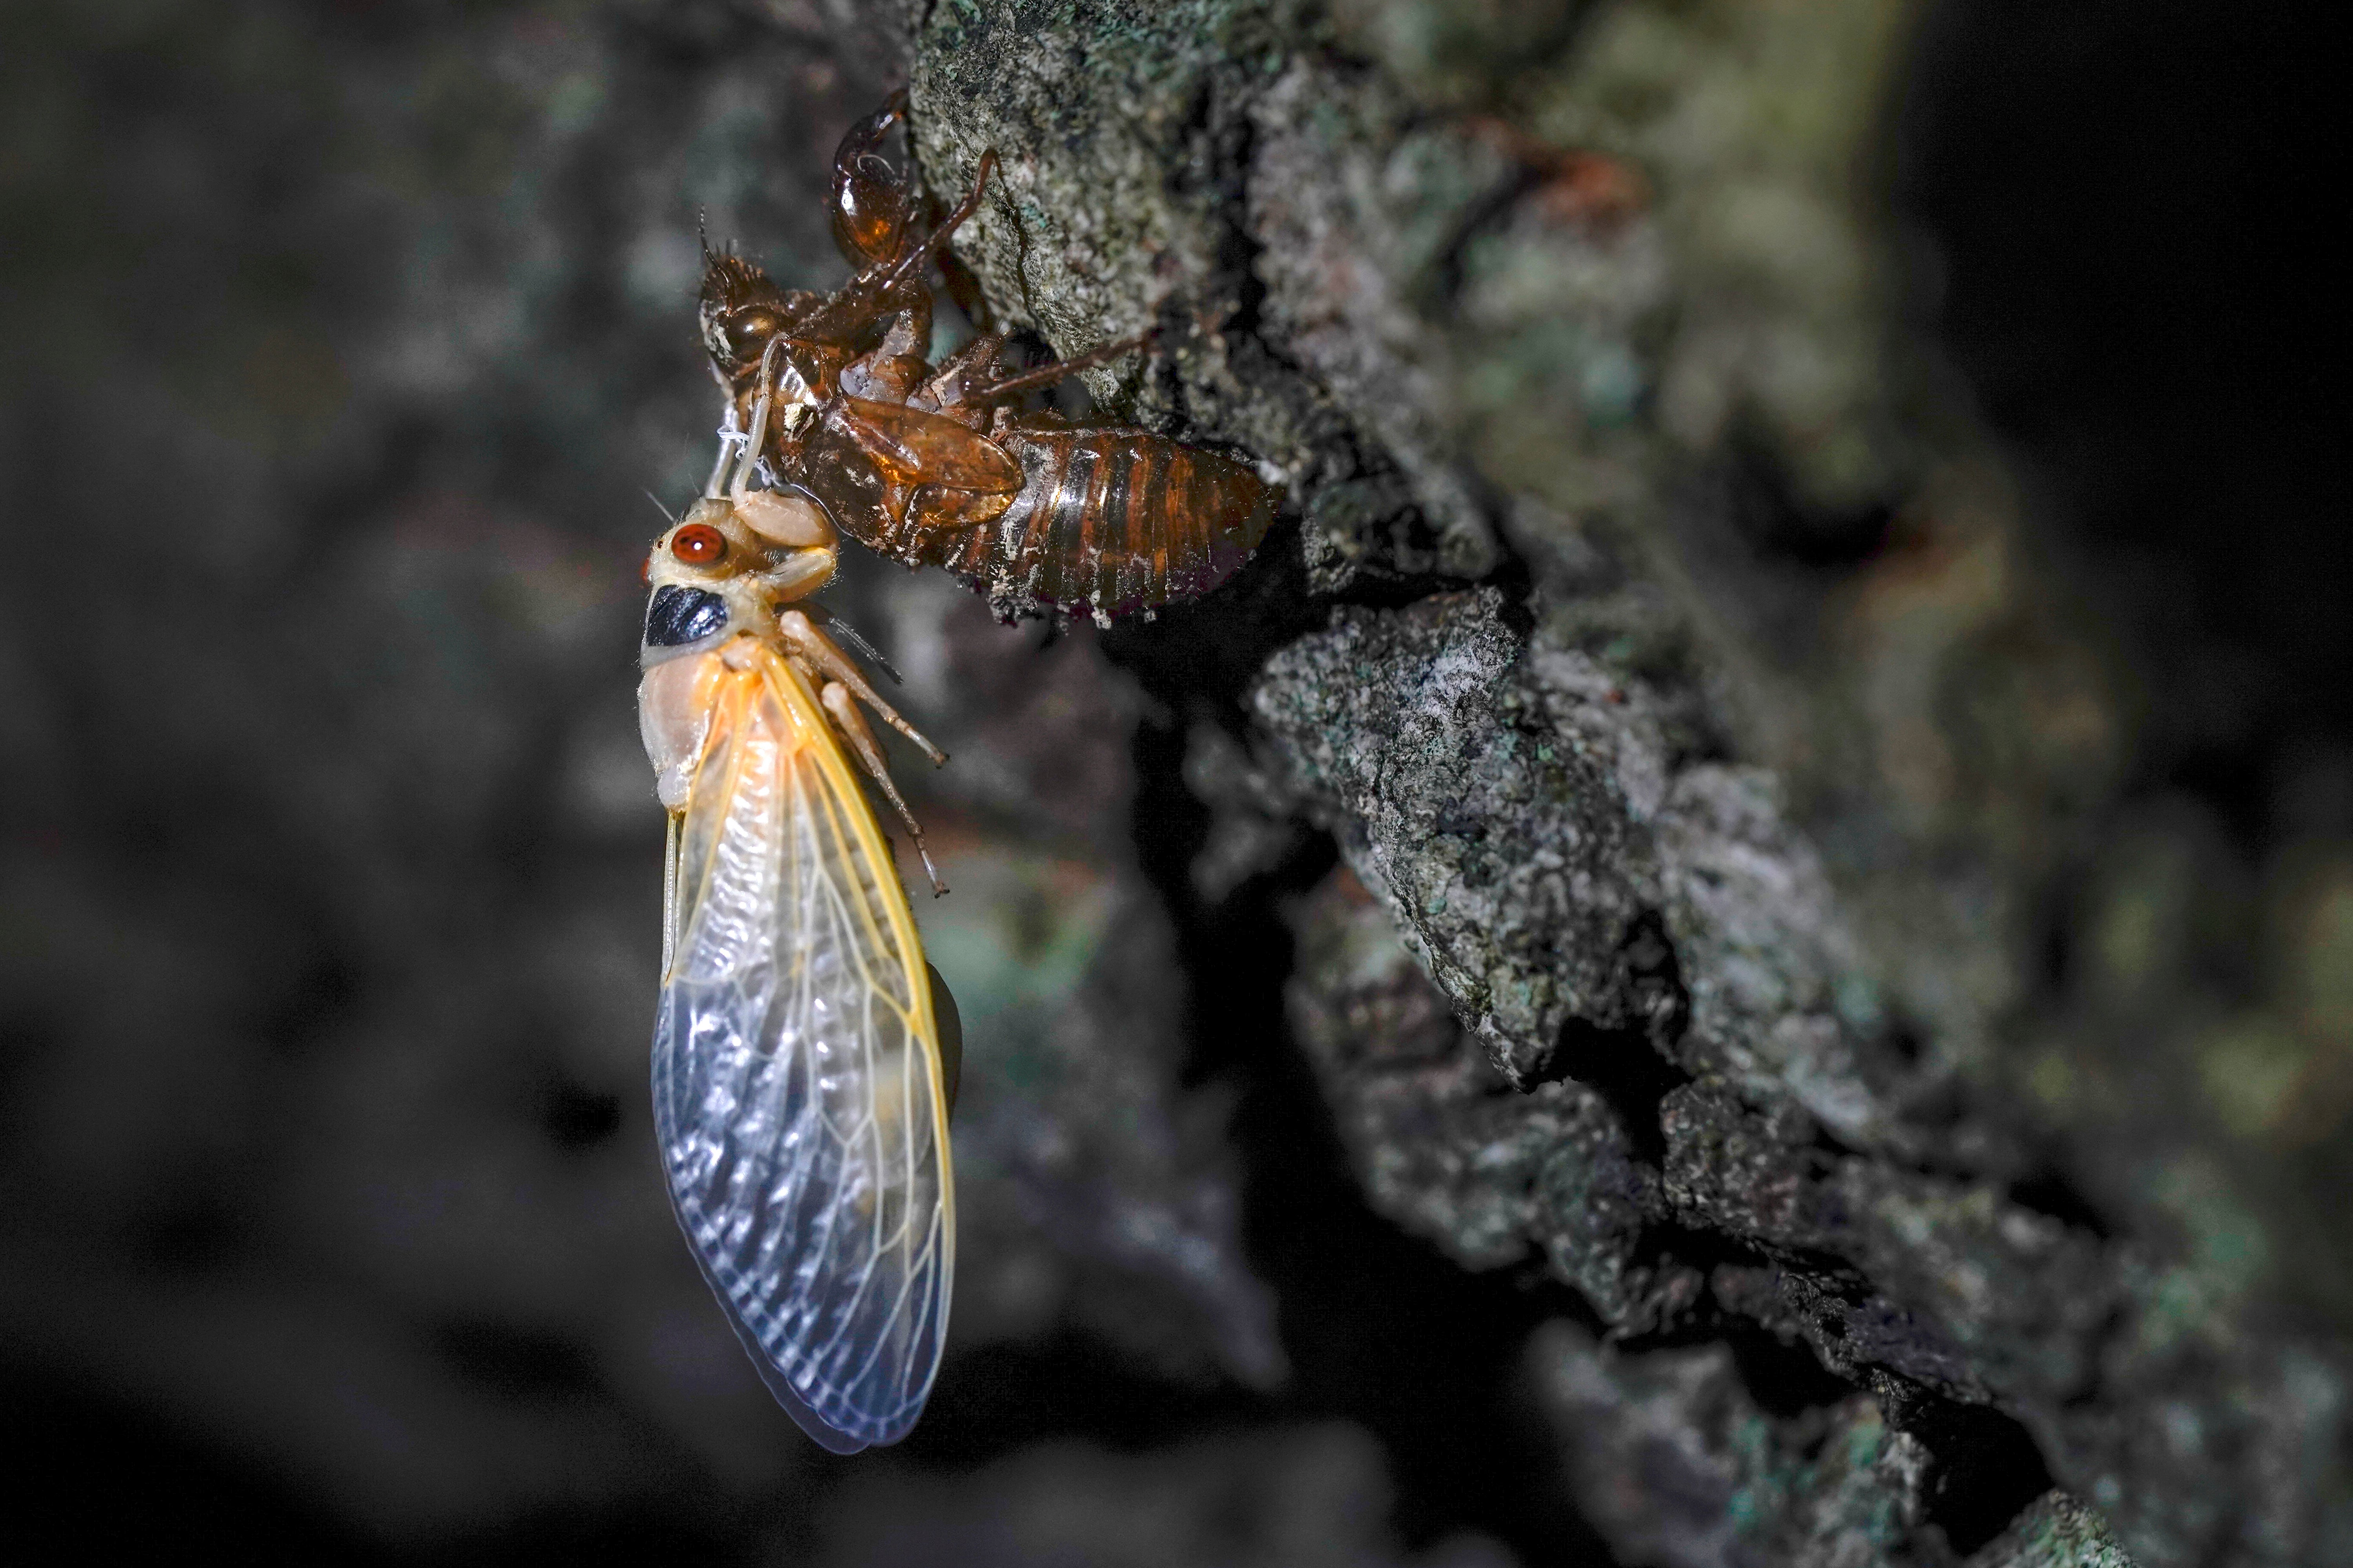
805 1054
935 465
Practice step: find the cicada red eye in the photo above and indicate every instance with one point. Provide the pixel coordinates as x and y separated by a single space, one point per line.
698 544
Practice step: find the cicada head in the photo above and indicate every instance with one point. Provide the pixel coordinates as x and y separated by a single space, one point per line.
742 309
724 567
701 574
712 580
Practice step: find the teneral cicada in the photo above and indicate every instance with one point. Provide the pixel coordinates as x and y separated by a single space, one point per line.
935 465
804 1055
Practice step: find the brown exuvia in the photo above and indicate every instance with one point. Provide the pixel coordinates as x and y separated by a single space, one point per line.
937 465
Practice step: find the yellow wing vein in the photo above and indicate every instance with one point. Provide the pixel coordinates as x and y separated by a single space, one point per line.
842 813
844 788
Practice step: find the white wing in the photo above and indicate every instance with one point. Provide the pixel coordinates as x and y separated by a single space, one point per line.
796 1075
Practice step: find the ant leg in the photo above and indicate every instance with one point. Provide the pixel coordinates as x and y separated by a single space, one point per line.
913 262
801 635
853 725
1013 386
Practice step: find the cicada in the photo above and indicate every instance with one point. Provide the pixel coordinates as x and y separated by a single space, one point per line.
935 465
804 1055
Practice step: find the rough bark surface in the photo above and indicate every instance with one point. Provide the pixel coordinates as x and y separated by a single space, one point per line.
1692 692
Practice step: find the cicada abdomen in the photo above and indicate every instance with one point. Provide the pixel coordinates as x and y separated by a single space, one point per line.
1090 519
1108 519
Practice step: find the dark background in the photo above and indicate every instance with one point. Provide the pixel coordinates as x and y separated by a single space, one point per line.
344 342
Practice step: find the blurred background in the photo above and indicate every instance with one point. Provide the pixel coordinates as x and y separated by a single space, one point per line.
345 344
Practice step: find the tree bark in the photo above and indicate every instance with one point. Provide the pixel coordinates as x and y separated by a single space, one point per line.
1694 697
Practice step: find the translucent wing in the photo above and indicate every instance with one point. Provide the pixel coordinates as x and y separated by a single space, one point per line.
796 1074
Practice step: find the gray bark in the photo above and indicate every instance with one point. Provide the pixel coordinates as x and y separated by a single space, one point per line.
1731 865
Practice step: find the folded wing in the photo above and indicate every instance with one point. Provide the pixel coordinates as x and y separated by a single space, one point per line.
797 1092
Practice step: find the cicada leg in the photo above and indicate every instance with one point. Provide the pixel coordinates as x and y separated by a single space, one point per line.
1047 375
803 574
952 381
911 264
840 707
841 682
889 372
816 650
849 634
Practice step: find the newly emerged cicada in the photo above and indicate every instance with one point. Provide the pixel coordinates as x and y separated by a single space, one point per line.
804 1055
935 465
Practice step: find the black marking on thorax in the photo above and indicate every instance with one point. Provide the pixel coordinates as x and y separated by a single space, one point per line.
680 615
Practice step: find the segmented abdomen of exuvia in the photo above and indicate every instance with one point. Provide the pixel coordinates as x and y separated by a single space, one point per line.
1107 519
